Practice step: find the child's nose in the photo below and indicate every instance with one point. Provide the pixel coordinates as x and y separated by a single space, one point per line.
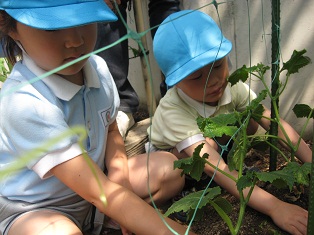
73 37
213 81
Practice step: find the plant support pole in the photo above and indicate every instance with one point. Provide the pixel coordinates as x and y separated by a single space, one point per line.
275 54
310 222
139 22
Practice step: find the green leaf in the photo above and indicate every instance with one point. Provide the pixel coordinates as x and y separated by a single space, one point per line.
224 119
201 123
255 103
234 155
198 215
224 204
214 130
193 166
259 143
246 181
256 109
297 61
2 78
303 110
279 178
240 74
218 126
302 175
261 69
223 215
192 200
243 73
258 112
5 69
299 172
136 52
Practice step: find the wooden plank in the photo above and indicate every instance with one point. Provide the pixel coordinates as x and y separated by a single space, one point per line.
137 137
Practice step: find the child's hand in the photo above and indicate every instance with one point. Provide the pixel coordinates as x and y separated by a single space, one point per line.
290 218
125 231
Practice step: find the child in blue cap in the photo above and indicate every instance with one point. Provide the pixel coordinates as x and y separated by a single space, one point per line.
54 191
192 53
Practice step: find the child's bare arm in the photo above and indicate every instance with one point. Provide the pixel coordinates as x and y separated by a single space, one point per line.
260 200
122 205
116 158
304 153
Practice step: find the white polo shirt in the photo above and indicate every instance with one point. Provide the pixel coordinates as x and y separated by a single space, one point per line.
174 122
37 112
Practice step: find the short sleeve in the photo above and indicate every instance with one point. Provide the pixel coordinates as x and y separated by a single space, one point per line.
173 122
108 84
32 123
242 95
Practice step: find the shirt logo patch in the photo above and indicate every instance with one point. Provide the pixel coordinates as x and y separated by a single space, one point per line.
105 116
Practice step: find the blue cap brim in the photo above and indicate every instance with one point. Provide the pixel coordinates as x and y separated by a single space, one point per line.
64 16
198 62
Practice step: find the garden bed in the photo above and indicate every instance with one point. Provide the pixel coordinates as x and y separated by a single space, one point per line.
253 222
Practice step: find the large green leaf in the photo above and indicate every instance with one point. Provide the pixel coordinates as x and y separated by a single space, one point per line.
303 110
193 166
194 200
240 74
259 143
223 214
215 130
218 126
246 181
296 61
300 173
224 204
243 73
256 107
235 153
279 178
288 176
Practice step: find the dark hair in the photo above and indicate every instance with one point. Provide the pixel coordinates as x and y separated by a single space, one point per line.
9 46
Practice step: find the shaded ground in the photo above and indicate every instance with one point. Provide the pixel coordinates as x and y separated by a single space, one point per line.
254 222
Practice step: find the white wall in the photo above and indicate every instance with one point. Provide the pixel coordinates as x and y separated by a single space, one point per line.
297 33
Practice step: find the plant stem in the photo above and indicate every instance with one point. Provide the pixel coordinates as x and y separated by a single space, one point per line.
303 129
243 201
221 171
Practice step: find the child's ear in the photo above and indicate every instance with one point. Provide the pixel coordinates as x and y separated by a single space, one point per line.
13 35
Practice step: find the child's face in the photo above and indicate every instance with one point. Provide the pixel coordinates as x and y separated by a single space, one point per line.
51 49
208 83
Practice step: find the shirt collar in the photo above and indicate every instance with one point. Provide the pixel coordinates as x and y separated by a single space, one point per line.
203 109
62 88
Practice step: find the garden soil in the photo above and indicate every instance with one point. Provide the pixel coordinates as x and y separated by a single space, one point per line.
254 222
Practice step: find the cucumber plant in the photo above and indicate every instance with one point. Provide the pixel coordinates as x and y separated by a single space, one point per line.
235 125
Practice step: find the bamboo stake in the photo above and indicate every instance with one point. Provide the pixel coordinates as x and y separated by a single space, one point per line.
139 22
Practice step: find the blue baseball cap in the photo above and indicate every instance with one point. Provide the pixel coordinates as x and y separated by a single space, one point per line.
57 14
187 41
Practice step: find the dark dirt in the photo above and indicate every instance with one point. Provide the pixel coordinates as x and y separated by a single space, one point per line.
253 222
